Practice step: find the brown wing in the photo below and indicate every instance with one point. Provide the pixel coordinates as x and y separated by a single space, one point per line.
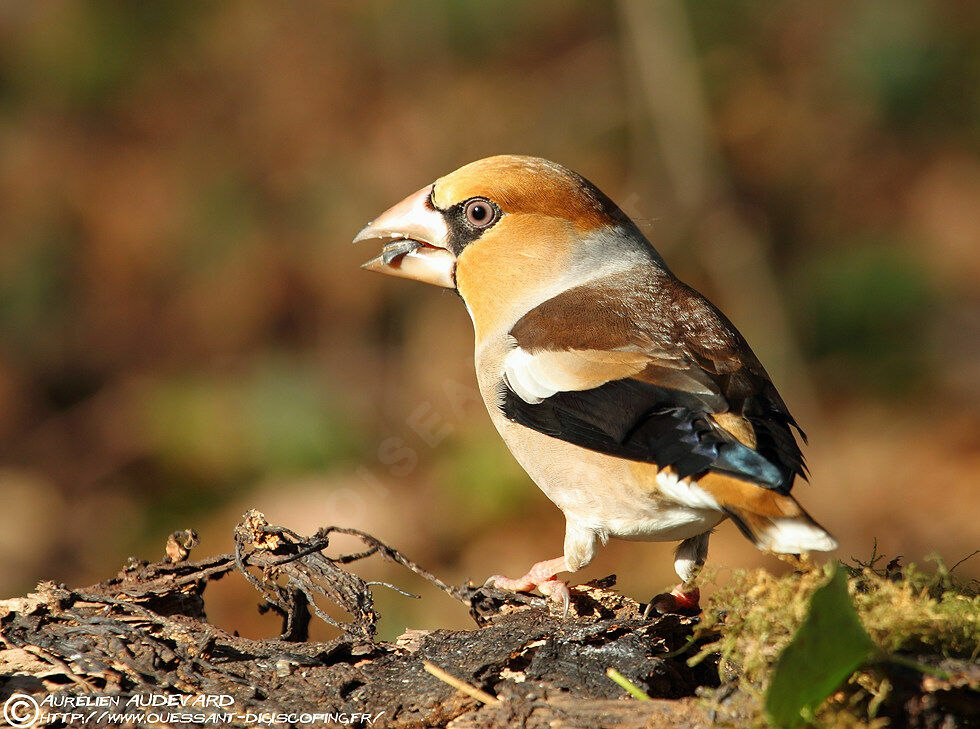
644 367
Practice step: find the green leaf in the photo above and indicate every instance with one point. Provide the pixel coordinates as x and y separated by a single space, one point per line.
829 645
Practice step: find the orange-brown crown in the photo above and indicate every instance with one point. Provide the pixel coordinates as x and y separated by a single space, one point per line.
529 185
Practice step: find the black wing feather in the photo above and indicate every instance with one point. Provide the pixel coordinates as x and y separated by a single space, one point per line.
642 422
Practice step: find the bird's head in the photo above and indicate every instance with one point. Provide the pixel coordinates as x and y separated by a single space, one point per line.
506 232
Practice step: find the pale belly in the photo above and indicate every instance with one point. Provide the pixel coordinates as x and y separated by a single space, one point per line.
610 496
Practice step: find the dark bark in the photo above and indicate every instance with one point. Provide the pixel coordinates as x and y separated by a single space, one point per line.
145 631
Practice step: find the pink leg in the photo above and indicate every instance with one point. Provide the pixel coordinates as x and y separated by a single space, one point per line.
541 576
688 561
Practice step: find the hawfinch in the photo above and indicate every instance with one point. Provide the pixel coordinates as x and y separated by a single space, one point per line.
631 401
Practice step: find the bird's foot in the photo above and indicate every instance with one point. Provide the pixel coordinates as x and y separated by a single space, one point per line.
542 577
681 600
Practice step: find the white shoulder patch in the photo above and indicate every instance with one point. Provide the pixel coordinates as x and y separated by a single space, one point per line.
536 376
525 377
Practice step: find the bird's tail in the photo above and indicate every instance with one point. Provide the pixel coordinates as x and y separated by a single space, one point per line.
783 535
772 521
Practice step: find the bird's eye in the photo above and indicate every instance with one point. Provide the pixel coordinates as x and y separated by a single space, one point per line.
479 212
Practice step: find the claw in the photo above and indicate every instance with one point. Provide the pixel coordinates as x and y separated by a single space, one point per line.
557 591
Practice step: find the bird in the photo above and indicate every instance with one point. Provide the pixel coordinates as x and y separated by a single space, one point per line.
632 401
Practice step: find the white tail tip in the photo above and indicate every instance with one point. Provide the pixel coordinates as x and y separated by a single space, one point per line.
792 536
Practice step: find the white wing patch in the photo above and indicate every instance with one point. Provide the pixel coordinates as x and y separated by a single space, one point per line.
539 375
523 375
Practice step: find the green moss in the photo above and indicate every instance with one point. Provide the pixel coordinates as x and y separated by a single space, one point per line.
911 611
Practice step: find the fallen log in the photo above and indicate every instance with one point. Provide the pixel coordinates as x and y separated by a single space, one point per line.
144 634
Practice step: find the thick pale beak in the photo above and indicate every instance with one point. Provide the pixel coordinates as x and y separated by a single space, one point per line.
417 244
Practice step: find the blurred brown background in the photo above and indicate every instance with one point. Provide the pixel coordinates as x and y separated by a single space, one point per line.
184 331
